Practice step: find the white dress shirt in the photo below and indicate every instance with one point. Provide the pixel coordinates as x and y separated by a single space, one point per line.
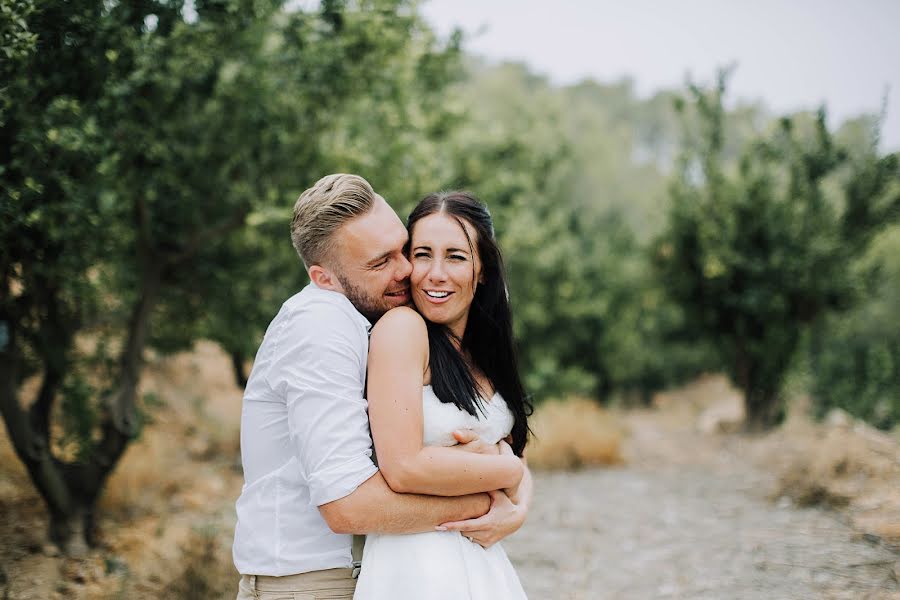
304 436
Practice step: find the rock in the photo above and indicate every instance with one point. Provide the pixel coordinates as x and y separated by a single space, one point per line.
73 570
726 416
837 417
50 550
199 448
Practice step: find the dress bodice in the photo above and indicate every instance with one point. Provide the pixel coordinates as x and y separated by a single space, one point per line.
441 419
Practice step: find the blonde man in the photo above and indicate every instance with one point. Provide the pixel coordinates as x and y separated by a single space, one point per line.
310 481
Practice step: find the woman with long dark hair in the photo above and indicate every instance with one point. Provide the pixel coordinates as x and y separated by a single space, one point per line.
447 367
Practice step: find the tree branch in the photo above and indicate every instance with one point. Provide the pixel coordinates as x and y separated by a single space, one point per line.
32 450
119 423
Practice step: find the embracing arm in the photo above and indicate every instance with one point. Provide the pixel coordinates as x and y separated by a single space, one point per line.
375 508
398 358
318 366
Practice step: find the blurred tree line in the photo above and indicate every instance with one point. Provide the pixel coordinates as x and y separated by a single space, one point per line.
150 153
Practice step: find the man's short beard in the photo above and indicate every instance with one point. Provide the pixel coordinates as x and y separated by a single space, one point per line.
365 304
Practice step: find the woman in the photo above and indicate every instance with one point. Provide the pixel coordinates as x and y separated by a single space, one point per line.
447 367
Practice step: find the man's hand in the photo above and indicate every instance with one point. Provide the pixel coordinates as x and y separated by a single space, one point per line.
469 441
503 519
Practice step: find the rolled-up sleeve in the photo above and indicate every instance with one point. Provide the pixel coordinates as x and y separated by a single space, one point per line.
319 368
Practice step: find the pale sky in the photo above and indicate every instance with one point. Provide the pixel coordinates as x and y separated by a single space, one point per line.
791 54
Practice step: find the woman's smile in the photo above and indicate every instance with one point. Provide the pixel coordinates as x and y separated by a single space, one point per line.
436 296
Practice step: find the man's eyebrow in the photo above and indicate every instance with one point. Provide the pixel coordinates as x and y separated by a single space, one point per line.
379 258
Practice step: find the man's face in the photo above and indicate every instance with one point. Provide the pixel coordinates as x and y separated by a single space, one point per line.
372 268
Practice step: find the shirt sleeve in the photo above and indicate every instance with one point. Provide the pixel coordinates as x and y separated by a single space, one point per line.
319 368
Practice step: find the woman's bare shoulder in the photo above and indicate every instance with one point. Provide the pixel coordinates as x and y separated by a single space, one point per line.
403 322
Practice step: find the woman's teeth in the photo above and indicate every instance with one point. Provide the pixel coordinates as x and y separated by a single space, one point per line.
437 294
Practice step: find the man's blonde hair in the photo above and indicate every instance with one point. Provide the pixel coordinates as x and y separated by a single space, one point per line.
322 209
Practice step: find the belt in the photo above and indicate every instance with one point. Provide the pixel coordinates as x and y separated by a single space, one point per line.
356 552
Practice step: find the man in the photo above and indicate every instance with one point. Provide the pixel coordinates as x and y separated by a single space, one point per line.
310 480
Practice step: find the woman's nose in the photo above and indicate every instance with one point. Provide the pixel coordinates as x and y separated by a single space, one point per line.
436 273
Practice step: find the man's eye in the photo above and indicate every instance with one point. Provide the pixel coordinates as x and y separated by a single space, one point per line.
380 264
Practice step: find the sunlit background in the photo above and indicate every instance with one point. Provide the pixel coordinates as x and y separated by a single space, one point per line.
698 205
788 55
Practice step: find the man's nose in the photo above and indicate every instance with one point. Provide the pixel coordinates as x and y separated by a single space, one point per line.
405 269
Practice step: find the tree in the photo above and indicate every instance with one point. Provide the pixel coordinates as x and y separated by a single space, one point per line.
755 254
556 167
147 161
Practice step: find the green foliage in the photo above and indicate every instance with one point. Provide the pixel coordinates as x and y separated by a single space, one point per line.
17 41
147 167
78 415
150 154
556 168
756 252
856 360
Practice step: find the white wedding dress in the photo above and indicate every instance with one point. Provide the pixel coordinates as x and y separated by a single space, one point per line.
440 565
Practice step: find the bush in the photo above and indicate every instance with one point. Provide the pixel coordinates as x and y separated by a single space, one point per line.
856 364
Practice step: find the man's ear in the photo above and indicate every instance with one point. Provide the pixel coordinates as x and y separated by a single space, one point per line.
324 278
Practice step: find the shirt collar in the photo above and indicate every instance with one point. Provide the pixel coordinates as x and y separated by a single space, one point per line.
364 322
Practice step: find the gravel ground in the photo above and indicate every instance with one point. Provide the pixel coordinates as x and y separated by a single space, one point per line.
698 525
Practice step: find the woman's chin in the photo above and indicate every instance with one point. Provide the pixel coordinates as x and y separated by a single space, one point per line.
428 312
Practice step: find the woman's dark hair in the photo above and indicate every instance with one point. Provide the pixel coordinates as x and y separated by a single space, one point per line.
488 338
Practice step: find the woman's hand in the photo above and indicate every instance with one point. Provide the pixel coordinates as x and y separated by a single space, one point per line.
469 441
503 519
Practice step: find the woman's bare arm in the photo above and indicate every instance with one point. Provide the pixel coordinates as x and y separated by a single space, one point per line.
398 359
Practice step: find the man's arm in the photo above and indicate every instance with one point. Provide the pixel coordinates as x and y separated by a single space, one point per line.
374 508
318 367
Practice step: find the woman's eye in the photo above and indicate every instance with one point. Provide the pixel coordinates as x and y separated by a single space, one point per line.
457 257
420 255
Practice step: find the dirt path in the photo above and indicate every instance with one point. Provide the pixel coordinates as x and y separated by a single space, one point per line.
689 517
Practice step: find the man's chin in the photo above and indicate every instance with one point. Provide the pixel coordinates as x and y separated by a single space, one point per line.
400 300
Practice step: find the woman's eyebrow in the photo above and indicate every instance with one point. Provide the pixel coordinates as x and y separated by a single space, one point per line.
426 247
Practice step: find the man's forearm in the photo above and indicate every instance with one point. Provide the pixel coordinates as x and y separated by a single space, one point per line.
374 508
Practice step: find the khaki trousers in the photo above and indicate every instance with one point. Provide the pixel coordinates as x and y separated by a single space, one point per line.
330 584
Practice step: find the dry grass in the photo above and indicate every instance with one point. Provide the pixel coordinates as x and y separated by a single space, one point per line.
849 465
144 477
575 433
178 473
207 572
197 422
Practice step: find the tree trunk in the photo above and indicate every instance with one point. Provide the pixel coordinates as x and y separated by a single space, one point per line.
240 373
70 490
764 408
72 532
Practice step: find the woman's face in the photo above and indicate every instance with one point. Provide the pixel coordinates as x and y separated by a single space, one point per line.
445 270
